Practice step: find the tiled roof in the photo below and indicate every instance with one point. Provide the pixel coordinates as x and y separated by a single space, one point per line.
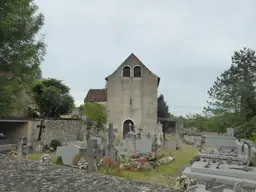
96 95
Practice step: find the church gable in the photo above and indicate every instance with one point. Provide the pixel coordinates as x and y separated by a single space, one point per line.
132 67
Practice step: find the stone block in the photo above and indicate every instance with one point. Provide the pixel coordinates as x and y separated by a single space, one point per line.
67 153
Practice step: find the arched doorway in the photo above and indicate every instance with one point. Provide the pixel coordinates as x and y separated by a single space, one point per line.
128 126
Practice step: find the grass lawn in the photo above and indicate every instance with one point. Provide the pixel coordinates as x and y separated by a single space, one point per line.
36 156
162 174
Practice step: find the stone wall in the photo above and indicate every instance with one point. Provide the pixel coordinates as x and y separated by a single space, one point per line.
21 175
72 129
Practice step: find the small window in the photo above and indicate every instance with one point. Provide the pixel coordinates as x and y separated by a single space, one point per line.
126 71
137 71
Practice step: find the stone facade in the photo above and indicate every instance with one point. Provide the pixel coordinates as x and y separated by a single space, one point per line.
56 129
132 98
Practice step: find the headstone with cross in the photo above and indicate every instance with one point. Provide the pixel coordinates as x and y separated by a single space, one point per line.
92 152
110 150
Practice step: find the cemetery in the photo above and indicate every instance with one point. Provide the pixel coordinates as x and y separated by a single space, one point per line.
141 157
223 162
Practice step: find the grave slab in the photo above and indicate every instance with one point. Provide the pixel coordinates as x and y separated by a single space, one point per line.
224 175
224 170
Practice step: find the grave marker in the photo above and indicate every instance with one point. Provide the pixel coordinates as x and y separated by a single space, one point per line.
140 131
110 150
20 145
93 151
92 146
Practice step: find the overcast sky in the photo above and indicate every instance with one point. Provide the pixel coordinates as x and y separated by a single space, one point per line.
187 43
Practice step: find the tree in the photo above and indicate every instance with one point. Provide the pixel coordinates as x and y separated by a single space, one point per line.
52 97
21 52
162 107
233 93
162 111
97 115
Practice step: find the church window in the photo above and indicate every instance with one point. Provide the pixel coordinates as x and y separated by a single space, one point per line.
137 71
126 71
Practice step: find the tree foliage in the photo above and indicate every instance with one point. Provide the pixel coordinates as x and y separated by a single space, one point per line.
162 107
52 97
232 96
162 111
97 115
21 51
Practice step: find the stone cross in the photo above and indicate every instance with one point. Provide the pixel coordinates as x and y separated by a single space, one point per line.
110 134
110 150
92 146
41 127
140 131
20 145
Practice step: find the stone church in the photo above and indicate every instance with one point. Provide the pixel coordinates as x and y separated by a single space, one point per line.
130 97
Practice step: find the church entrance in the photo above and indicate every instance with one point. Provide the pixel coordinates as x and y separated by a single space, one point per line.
127 127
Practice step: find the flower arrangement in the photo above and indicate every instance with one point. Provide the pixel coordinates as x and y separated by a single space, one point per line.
82 164
197 158
110 168
183 182
124 158
166 160
135 156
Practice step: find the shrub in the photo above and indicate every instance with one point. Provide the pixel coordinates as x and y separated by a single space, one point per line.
55 143
76 159
46 147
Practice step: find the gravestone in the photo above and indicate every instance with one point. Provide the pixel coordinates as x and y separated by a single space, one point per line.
170 145
93 151
140 133
38 146
20 146
223 172
230 132
92 146
67 153
110 150
144 146
98 140
130 143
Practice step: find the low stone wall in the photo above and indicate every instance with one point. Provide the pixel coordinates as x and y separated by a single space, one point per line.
8 147
71 129
21 175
